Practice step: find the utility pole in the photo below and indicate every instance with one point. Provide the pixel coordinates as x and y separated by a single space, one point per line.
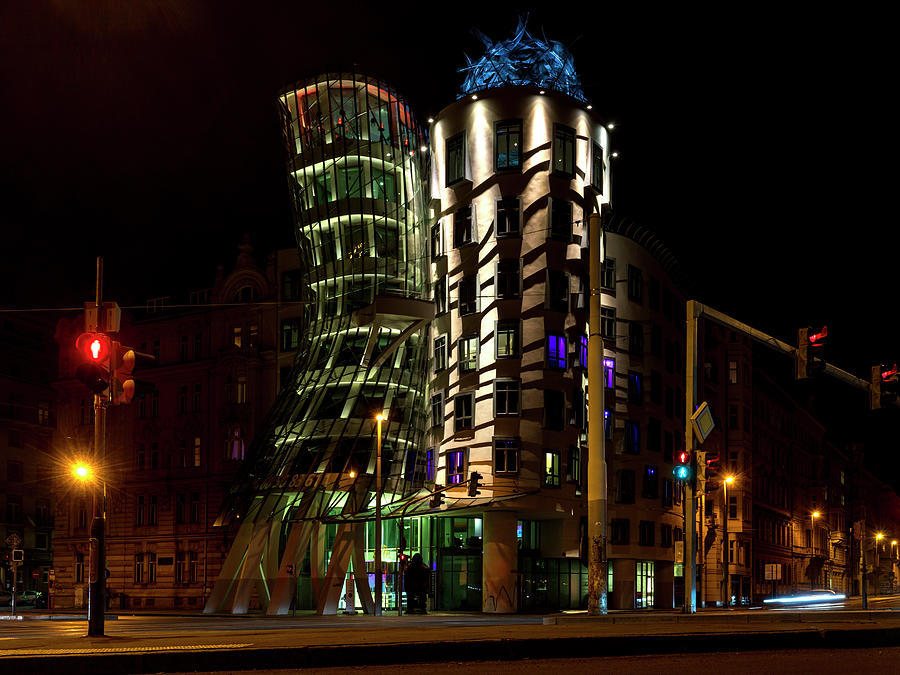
596 473
690 486
97 584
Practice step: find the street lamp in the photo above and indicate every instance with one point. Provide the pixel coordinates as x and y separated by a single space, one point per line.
378 572
893 544
97 580
725 543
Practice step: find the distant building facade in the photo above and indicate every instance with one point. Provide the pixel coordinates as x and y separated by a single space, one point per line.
172 453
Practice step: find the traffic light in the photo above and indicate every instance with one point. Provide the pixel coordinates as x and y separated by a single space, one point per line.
403 559
809 358
683 470
437 497
94 353
711 468
123 362
290 570
474 484
889 384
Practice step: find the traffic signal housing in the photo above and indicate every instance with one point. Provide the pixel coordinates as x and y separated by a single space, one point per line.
712 466
883 387
474 483
683 466
124 361
94 351
437 497
809 359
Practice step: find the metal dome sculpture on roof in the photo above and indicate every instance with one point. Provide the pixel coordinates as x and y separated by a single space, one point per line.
523 60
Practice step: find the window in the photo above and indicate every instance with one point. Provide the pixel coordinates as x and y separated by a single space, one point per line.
15 471
632 437
138 568
656 340
507 145
650 488
557 290
507 334
455 152
608 424
506 455
437 409
139 513
290 286
198 345
151 568
240 390
646 531
508 217
467 355
574 465
635 284
506 397
656 387
462 226
551 468
180 567
468 300
732 507
654 435
608 274
429 464
608 322
182 399
554 410
196 451
194 513
563 150
732 372
456 466
290 334
635 338
583 351
463 411
153 512
609 373
180 508
625 486
236 335
195 402
556 351
635 387
560 219
507 282
440 295
668 497
384 185
619 528
440 353
437 240
183 352
598 168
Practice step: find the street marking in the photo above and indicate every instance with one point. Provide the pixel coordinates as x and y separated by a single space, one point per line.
110 650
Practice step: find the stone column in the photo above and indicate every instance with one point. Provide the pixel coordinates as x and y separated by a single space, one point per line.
500 563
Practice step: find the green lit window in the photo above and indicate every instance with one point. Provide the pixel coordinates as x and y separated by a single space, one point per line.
551 468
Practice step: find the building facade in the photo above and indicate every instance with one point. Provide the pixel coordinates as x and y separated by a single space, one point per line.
173 452
27 421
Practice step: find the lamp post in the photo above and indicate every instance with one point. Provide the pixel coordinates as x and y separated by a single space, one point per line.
378 572
812 543
878 537
97 579
725 543
893 544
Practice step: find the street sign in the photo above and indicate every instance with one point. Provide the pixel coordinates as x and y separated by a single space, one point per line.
36 574
702 421
13 540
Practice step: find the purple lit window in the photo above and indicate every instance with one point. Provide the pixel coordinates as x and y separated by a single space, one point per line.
429 464
583 353
456 466
609 372
556 351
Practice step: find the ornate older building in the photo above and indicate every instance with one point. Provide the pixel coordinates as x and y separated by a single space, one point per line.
174 450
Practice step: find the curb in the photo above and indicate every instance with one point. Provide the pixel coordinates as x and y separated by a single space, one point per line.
504 649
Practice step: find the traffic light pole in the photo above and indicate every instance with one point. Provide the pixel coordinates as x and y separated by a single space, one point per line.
97 584
690 486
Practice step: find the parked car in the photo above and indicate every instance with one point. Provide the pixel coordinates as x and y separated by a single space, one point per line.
28 597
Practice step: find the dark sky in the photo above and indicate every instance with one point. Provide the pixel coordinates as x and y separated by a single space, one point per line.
759 143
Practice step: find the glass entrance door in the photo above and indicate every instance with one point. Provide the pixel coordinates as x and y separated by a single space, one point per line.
643 596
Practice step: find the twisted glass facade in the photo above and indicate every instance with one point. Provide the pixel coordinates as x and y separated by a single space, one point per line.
356 163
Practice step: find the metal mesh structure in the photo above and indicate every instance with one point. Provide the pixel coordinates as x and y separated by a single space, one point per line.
523 60
356 165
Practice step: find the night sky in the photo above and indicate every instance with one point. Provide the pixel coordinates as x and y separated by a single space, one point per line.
759 144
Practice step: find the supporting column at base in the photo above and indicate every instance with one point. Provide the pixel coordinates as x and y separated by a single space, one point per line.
500 567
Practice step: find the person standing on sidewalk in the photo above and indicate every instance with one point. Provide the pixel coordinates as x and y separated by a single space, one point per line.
416 579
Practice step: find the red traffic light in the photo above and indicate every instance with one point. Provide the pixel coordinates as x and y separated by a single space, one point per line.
93 346
816 338
683 457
